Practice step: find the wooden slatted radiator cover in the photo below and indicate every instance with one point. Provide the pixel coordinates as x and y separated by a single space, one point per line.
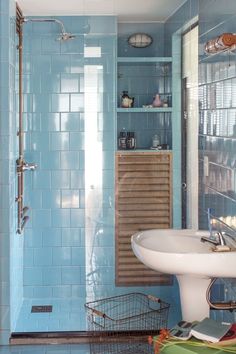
143 202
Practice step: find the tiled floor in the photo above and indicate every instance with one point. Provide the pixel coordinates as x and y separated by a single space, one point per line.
66 315
116 348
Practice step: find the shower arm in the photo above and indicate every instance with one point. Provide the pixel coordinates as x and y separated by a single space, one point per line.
46 20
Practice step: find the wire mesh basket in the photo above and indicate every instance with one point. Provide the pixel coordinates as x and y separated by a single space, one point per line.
127 313
121 348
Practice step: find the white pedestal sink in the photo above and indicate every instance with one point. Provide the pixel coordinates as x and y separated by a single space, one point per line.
181 252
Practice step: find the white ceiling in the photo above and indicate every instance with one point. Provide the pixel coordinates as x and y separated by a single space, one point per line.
126 10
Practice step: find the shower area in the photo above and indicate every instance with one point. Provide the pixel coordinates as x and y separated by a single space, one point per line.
64 142
65 169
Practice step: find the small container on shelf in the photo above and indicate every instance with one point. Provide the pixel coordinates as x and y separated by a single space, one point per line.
130 141
126 100
122 140
157 102
155 141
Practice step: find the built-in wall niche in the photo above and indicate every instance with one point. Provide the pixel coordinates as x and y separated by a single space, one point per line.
146 125
147 82
143 79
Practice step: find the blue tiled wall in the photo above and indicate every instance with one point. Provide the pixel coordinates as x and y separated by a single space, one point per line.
155 30
178 20
217 133
11 245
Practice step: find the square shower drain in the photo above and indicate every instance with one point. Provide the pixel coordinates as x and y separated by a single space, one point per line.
42 308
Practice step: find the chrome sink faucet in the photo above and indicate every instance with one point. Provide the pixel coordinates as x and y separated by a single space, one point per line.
217 240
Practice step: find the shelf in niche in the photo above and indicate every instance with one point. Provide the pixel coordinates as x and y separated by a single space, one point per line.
145 60
144 110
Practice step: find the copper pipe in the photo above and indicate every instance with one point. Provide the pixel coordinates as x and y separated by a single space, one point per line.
20 132
20 160
230 305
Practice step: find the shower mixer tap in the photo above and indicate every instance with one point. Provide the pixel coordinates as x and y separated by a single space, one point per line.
23 166
29 166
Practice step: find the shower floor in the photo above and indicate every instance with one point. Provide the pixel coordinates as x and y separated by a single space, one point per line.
67 315
122 348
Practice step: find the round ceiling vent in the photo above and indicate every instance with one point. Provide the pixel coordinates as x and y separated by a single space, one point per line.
140 40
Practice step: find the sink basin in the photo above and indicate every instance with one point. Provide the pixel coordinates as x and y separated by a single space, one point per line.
181 252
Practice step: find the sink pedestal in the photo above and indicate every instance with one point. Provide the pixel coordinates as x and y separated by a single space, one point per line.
194 305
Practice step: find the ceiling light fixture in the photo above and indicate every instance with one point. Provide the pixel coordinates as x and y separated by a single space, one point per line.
140 40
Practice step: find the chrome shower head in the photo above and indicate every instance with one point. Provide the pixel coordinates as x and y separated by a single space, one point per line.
66 36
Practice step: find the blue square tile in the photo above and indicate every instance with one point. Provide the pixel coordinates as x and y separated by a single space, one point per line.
60 103
50 122
70 121
50 82
63 291
62 256
51 237
78 256
50 45
71 237
77 179
71 275
61 63
43 256
40 141
70 199
77 102
33 276
69 82
60 141
77 64
51 200
41 218
69 160
42 292
33 238
41 179
28 257
77 217
61 218
77 141
40 103
39 63
61 179
50 160
51 276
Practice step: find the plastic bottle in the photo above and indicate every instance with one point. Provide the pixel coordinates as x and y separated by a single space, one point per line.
155 141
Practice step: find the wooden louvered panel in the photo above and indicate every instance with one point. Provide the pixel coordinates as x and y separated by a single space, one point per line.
143 174
143 202
142 207
133 194
138 167
145 213
138 187
154 200
142 181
